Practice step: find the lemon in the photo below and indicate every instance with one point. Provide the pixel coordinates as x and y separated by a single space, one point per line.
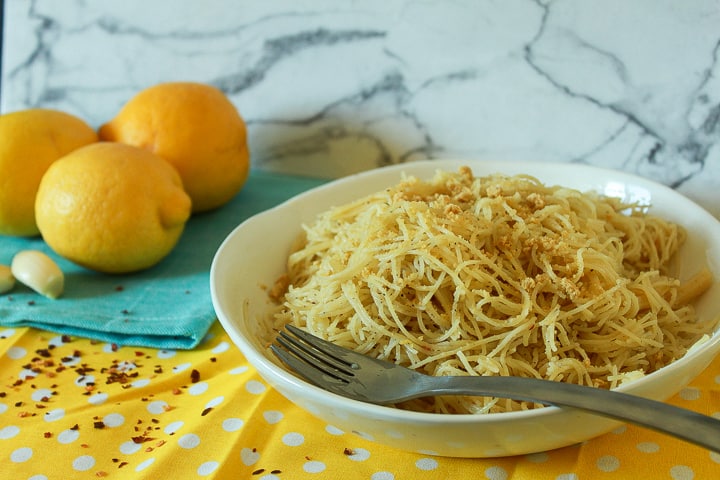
112 207
197 129
30 141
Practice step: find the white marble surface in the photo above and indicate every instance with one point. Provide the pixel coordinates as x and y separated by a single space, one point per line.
333 87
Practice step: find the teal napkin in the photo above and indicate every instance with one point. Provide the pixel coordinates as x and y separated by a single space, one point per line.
167 306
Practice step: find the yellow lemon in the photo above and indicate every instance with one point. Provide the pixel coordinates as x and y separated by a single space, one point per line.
31 140
197 129
112 207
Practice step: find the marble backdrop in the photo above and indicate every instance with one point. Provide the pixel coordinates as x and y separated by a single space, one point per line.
331 87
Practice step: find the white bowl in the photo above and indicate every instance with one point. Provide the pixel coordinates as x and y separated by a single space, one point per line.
254 255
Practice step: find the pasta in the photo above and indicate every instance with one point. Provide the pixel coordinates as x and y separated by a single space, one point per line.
496 275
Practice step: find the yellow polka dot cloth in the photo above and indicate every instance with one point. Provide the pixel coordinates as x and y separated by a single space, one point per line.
76 408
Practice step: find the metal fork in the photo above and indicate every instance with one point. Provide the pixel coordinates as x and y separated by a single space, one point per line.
353 375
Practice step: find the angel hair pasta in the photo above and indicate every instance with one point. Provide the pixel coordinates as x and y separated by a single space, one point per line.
499 275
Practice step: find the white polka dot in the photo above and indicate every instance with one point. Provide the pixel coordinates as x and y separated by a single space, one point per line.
143 382
21 455
334 430
189 440
85 380
293 439
255 387
181 367
620 430
9 432
232 424
359 455
207 468
567 476
682 472
129 447
27 374
173 427
38 477
16 353
648 447
272 416
426 464
690 393
3 408
54 415
541 457
83 463
68 436
382 476
164 354
56 341
496 473
198 388
249 456
110 348
7 333
98 398
113 420
238 370
313 467
715 457
608 463
145 464
157 407
215 402
221 347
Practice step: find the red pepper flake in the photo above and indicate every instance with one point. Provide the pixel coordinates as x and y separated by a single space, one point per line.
114 347
37 405
258 471
75 427
348 451
47 435
213 359
155 420
99 425
194 376
276 472
31 302
138 353
206 411
176 391
84 445
65 339
119 288
160 443
122 464
142 439
101 474
3 394
125 311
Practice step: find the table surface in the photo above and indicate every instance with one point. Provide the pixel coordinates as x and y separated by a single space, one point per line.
76 408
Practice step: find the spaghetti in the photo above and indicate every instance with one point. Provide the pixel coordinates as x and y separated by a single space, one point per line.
496 275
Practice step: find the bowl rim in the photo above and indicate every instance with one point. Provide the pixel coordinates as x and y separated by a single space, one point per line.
279 375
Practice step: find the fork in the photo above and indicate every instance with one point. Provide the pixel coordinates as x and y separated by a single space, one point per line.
359 377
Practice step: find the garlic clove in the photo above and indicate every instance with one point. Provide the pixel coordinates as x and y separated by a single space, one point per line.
39 272
7 281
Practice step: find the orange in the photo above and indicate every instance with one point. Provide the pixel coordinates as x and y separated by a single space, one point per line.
30 141
197 129
112 207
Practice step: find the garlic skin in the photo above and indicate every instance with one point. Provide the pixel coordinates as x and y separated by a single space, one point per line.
39 272
7 281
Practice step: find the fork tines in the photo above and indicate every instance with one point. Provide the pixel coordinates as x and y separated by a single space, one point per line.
317 360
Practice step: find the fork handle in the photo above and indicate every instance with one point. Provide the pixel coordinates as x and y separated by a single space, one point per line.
679 422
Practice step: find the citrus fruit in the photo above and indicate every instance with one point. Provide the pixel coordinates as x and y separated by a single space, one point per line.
197 129
112 207
31 140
